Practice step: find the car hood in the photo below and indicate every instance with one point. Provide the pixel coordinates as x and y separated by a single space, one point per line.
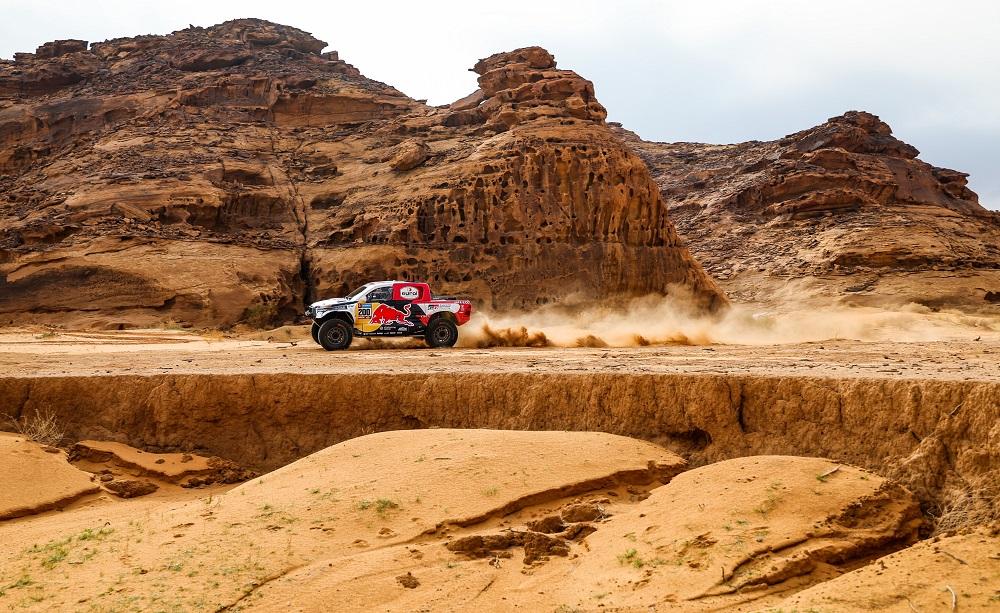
329 302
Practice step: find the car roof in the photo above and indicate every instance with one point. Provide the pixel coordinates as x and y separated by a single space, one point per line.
384 283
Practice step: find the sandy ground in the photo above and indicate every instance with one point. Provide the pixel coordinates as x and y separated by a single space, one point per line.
36 478
39 352
441 520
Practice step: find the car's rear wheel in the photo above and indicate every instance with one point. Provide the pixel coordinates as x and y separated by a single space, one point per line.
335 334
441 332
314 330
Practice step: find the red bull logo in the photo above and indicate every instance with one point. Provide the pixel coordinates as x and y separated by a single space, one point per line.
383 313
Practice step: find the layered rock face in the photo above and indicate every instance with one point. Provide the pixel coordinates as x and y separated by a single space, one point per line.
231 173
840 212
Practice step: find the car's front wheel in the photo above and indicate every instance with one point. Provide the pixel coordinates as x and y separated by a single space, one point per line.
335 334
441 332
314 330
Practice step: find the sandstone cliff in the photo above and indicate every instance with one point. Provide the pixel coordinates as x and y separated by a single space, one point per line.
231 173
841 212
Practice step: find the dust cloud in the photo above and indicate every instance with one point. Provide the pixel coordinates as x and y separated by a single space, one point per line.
663 320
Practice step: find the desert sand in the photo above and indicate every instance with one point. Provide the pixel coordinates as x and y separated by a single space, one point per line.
438 519
774 506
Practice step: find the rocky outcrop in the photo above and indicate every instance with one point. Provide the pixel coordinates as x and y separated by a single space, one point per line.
843 211
523 85
229 173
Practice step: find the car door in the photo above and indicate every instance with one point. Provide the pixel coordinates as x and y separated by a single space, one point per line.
406 298
371 316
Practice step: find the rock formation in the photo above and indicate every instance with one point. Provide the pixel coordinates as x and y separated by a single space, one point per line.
843 211
231 173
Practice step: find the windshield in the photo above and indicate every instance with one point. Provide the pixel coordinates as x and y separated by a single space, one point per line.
358 291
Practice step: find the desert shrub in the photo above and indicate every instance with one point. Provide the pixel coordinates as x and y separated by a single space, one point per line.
261 314
40 427
970 505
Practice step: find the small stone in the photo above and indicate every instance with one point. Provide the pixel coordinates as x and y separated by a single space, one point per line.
131 488
408 581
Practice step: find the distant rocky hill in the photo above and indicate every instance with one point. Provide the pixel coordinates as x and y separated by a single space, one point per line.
843 212
232 173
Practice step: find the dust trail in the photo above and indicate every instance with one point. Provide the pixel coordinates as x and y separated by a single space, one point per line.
387 343
486 336
660 320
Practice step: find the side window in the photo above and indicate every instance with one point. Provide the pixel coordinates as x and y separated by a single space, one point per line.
379 294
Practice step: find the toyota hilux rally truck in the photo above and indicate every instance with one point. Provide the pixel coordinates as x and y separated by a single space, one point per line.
388 308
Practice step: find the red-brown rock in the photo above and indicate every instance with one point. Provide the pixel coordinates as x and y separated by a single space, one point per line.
843 212
231 173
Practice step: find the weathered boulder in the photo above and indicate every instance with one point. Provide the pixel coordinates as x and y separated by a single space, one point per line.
409 154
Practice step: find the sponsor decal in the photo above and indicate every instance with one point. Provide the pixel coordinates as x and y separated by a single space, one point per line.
409 292
364 311
383 313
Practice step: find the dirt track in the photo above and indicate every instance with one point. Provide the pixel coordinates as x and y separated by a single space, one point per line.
32 353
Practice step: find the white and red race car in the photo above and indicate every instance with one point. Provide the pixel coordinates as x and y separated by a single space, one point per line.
388 308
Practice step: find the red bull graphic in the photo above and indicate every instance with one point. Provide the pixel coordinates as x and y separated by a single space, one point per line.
383 313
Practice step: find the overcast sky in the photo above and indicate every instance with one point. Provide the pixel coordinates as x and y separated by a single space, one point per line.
707 71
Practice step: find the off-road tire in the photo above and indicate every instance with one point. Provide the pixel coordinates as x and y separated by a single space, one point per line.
441 332
335 334
314 330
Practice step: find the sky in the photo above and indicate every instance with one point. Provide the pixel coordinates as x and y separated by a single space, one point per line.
716 71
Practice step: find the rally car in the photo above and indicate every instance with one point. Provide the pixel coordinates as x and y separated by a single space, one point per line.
388 308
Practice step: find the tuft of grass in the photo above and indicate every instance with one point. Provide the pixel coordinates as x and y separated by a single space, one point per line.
24 581
384 505
771 501
489 493
631 558
54 557
95 535
53 552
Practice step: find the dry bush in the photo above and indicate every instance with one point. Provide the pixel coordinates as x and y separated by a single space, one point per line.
42 428
213 334
969 506
261 315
